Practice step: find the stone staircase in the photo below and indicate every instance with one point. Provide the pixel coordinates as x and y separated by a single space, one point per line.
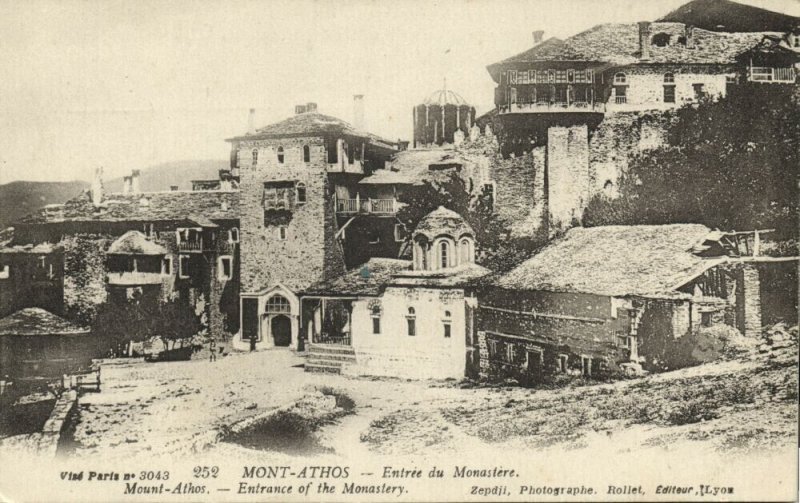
328 358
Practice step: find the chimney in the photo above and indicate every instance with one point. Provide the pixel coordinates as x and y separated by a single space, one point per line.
358 111
251 122
538 35
173 188
126 185
135 181
644 39
299 109
689 35
97 187
311 107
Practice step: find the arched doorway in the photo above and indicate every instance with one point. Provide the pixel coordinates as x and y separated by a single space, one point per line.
281 328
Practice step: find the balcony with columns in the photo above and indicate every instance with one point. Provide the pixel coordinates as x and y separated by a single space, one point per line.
366 206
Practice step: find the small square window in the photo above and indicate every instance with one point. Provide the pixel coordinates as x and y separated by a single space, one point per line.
705 319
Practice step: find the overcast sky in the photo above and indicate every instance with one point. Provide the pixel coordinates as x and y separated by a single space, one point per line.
130 84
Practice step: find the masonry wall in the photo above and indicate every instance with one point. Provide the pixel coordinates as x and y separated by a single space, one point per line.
308 253
752 300
567 175
645 85
29 282
393 352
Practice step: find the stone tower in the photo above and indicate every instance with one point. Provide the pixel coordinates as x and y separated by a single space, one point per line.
290 175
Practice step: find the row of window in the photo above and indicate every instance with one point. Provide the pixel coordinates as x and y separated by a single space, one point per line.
280 195
530 358
224 267
354 153
5 271
411 322
445 254
550 76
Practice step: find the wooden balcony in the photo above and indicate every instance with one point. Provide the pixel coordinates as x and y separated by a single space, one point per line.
366 206
191 246
771 74
553 107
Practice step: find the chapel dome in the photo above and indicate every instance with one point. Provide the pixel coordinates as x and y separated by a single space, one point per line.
445 97
443 222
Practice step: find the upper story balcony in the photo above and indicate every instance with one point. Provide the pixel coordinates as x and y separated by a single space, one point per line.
772 74
134 278
553 107
379 207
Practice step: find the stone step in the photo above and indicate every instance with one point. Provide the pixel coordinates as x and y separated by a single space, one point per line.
322 368
339 357
325 348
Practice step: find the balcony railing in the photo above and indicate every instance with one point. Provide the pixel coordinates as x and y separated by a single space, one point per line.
770 74
620 100
191 246
369 206
553 107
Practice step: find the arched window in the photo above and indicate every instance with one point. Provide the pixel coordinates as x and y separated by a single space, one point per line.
669 78
233 235
444 255
280 155
375 312
255 156
620 78
466 253
411 321
661 39
278 304
300 194
420 253
306 153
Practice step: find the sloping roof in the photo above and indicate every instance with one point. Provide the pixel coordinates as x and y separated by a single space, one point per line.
312 124
445 97
367 280
724 15
148 207
614 260
443 221
37 321
135 243
38 249
410 167
618 44
458 276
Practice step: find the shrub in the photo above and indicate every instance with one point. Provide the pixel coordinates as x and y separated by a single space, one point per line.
692 411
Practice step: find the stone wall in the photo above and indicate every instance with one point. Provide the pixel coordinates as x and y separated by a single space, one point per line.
752 300
393 352
645 86
308 253
567 175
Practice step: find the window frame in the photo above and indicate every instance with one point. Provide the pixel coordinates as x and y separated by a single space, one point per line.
443 254
254 156
563 362
411 322
620 81
306 153
300 193
280 154
283 233
183 272
447 325
233 235
398 236
221 268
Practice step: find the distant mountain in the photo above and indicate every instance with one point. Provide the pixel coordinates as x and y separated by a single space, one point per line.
728 16
181 173
17 199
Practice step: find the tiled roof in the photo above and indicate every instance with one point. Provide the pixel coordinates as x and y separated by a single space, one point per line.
618 44
37 321
459 276
614 260
310 124
411 167
135 243
39 249
148 207
367 280
724 15
445 97
443 221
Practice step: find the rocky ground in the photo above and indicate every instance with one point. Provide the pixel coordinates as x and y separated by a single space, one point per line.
220 408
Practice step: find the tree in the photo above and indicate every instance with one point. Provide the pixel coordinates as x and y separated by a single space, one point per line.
732 164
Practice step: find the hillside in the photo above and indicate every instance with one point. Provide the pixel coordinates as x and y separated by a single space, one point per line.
20 198
724 15
180 173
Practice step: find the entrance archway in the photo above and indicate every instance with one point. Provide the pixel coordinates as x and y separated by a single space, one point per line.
281 328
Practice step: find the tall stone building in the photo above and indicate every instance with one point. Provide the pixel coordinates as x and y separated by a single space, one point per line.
294 176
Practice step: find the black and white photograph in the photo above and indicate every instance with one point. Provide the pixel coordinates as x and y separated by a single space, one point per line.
411 250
